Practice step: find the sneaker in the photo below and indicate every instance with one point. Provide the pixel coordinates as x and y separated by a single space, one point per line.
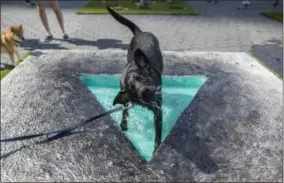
47 38
66 37
245 2
30 4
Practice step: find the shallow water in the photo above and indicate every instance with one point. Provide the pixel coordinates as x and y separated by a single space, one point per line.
177 91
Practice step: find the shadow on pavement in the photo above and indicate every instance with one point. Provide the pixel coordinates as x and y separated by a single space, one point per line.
32 44
191 146
100 43
268 53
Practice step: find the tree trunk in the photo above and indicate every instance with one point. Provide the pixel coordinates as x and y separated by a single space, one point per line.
142 3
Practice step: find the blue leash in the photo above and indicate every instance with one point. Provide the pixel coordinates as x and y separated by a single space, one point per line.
62 132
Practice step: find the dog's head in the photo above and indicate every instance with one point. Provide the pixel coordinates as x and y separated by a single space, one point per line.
142 82
17 32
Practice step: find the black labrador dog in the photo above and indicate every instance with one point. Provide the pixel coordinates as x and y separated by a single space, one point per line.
141 79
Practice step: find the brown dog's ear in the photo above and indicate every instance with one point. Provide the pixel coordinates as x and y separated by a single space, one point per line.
21 26
121 98
140 58
12 29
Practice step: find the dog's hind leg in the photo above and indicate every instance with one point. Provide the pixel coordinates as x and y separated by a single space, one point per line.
123 124
12 59
18 55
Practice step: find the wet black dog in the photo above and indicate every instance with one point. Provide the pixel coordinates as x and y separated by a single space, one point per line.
141 79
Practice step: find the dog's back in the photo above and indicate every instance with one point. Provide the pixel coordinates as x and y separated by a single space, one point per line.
145 41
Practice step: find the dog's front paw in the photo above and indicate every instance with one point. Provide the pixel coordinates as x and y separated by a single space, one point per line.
123 127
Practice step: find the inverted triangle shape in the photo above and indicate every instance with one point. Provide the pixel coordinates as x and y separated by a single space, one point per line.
177 91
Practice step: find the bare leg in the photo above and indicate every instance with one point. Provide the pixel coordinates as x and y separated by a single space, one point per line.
58 13
42 15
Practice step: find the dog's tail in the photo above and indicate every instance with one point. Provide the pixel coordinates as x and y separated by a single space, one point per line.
124 21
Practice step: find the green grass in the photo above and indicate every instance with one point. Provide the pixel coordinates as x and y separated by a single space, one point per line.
278 16
259 61
155 8
6 71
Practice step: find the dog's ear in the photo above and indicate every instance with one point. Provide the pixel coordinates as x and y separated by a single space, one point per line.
121 98
12 29
140 58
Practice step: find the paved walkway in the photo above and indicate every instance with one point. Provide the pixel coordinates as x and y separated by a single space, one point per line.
219 27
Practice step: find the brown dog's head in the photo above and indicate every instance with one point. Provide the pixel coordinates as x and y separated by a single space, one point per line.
17 32
142 84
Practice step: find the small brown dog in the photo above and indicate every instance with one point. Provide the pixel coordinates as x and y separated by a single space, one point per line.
11 40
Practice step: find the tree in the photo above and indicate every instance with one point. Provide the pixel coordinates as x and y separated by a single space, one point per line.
140 3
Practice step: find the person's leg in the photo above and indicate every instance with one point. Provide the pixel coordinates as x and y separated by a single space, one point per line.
58 13
43 18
